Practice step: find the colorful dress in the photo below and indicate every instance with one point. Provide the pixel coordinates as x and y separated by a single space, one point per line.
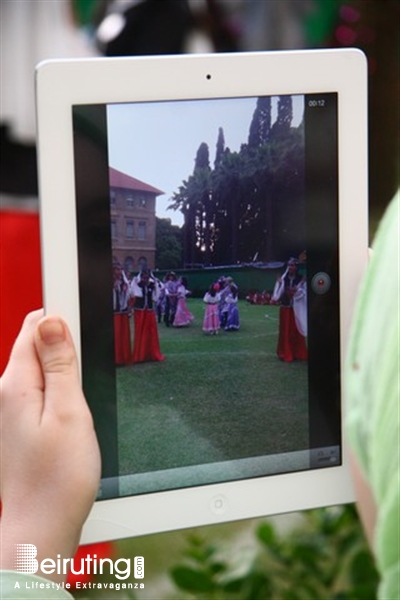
292 293
211 322
183 316
146 345
232 322
122 334
224 305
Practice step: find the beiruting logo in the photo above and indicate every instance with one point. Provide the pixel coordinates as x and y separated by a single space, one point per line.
25 562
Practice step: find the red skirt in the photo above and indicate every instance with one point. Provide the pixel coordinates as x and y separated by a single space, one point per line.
146 346
291 344
122 339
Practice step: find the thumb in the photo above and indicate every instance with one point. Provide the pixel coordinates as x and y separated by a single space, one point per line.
58 360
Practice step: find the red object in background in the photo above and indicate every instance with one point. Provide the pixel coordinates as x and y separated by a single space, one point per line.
95 551
20 293
20 275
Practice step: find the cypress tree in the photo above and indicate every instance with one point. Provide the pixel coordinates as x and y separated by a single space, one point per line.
260 125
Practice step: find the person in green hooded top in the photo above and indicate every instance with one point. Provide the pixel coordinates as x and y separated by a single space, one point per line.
372 382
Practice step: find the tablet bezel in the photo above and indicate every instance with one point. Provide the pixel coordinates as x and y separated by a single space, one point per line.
64 83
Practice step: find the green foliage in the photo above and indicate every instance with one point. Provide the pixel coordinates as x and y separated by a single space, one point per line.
285 114
252 201
220 148
260 126
169 245
324 558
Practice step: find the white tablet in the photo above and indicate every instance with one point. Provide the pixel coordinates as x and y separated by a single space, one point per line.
259 161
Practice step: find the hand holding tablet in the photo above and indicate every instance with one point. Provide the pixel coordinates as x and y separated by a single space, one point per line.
49 448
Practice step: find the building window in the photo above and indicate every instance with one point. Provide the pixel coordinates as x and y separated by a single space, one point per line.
114 234
130 202
142 230
142 202
142 263
129 265
129 229
113 198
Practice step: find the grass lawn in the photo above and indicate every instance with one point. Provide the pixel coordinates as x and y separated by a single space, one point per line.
214 398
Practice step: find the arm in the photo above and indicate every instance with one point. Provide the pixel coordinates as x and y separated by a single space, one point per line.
372 390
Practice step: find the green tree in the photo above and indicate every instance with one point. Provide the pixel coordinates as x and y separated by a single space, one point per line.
260 126
201 199
251 204
181 201
284 118
168 245
194 200
276 196
227 188
220 147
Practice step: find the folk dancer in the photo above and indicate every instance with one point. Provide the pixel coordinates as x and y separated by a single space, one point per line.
291 291
145 290
121 296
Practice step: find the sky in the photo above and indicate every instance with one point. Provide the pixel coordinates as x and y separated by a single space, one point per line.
157 142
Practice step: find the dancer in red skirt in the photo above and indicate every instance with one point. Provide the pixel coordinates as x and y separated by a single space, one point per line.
122 336
146 345
291 291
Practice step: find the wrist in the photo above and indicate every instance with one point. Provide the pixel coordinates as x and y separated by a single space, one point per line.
53 545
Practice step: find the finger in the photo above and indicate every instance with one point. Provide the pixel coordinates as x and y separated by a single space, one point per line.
57 357
23 352
23 372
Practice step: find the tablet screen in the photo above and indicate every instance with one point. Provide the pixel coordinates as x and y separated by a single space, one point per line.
209 287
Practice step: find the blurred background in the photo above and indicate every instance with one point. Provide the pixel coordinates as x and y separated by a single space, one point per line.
229 561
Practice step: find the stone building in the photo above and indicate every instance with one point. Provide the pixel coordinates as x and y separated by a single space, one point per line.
133 221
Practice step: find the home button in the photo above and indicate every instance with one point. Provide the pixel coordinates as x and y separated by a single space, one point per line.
219 505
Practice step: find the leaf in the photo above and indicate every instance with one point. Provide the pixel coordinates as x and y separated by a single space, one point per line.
361 568
218 567
308 554
234 586
192 580
365 591
200 554
267 535
257 586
